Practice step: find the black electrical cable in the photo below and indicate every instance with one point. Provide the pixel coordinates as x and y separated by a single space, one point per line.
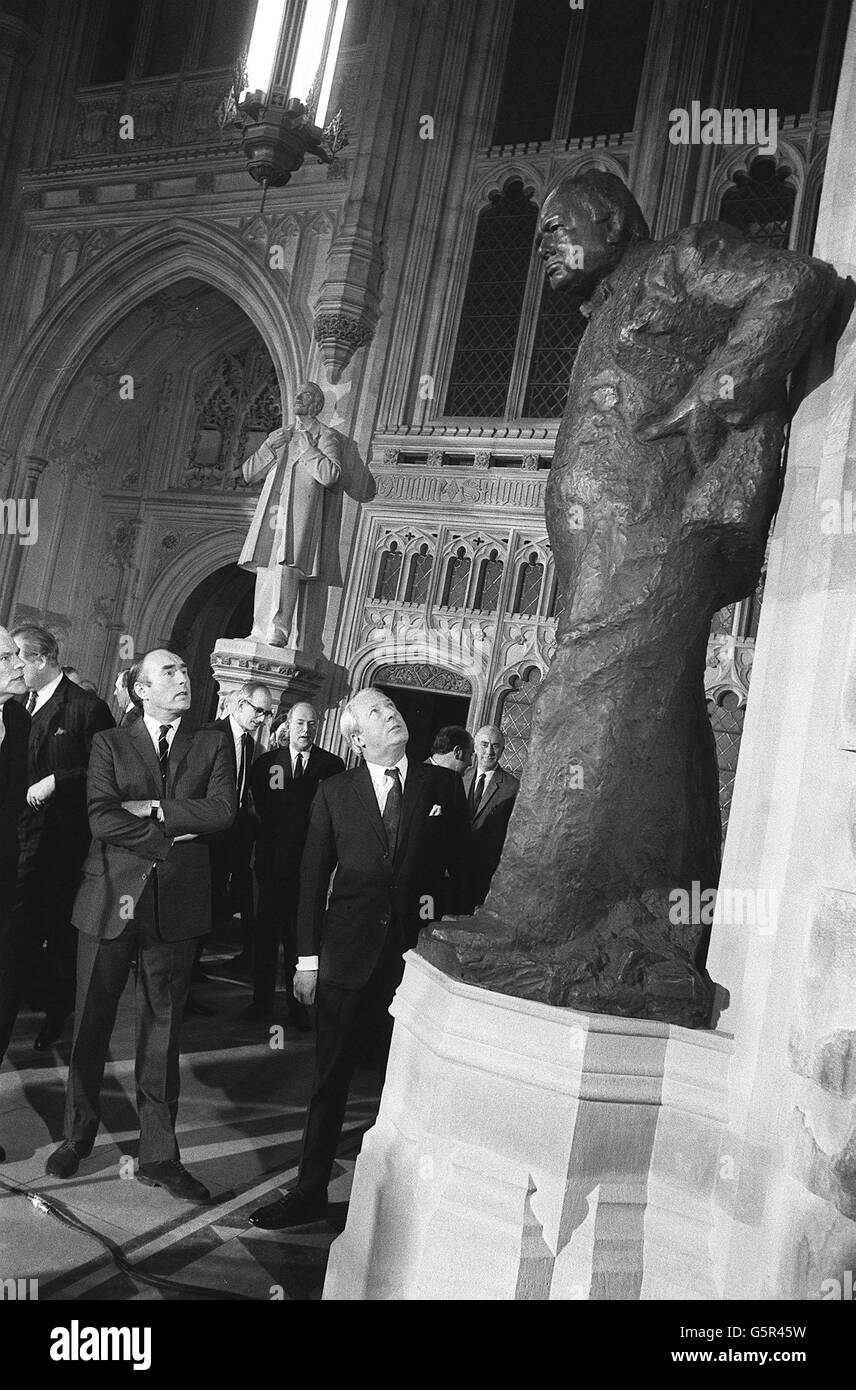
124 1265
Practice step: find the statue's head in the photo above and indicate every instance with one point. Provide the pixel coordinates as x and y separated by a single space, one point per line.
309 399
584 228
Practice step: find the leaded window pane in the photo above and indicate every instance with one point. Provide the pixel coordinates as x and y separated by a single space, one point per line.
419 577
515 720
487 336
761 204
457 582
490 578
529 587
390 568
557 338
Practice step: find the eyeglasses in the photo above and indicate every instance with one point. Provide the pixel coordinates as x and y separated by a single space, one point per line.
257 711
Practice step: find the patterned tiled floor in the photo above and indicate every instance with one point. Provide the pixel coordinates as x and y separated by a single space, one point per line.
240 1122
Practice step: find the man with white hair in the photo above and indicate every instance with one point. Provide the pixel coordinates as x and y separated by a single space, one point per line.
283 783
390 829
283 545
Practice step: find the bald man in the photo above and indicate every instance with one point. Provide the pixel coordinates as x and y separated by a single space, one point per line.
283 783
491 790
153 790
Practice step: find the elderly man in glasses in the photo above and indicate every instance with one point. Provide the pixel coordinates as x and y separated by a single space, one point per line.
231 883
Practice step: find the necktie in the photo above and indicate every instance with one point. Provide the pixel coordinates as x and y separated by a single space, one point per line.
163 753
242 770
478 791
298 767
392 809
31 701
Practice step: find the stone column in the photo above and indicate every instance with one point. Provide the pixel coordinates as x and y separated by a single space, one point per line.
787 1190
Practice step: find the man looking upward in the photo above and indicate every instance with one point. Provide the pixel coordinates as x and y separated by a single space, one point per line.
153 789
390 829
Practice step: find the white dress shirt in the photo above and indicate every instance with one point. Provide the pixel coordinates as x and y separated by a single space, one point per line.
238 740
488 778
296 753
381 784
43 695
154 727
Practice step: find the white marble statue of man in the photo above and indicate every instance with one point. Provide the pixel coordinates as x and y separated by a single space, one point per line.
284 540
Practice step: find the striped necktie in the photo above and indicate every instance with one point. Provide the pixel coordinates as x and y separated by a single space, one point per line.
163 753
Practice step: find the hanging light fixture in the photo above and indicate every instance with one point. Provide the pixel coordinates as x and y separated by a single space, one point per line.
281 91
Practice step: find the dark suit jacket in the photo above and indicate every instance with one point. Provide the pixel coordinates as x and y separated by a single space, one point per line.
61 735
238 840
200 799
373 894
489 826
13 790
282 806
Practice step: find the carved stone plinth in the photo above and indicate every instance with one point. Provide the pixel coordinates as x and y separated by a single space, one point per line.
529 1152
289 674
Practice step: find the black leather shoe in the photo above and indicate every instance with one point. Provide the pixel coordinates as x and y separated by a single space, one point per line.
175 1179
292 1209
194 1009
257 1011
65 1161
51 1029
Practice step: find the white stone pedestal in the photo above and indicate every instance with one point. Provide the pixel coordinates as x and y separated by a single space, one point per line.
529 1152
282 669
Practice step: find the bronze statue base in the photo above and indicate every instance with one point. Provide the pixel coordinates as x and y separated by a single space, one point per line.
629 974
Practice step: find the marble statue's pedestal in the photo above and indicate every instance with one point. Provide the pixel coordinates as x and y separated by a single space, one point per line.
284 670
528 1152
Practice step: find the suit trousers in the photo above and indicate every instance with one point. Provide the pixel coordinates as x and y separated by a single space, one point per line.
346 1020
275 918
12 962
162 984
50 877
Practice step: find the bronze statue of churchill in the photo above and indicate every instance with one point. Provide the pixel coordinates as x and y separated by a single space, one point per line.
661 492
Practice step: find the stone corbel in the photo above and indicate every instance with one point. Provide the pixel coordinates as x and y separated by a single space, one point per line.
339 335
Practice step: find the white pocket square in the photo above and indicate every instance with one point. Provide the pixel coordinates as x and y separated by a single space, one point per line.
436 811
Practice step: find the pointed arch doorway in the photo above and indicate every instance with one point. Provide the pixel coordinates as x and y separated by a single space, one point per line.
221 605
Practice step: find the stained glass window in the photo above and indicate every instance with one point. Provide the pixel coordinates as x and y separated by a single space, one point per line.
490 318
390 569
557 600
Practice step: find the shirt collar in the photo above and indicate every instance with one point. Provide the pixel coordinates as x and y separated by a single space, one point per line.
295 753
237 731
43 695
154 725
378 771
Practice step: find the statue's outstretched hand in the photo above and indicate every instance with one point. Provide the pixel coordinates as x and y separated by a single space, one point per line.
278 439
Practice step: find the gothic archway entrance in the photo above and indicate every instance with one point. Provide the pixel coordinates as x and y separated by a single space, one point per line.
428 697
220 606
